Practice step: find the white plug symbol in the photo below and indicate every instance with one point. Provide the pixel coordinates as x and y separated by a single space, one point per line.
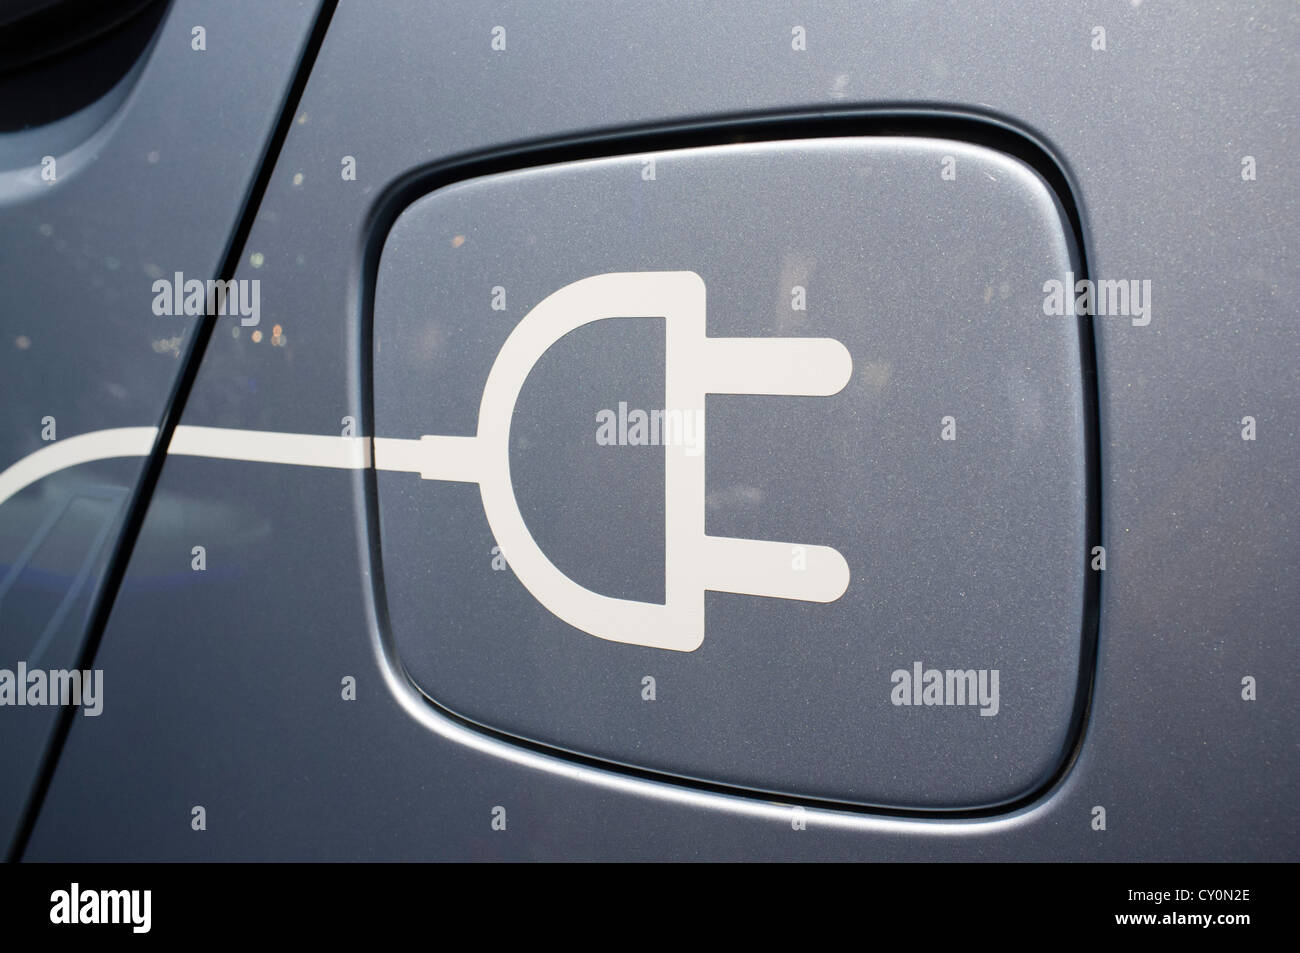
695 365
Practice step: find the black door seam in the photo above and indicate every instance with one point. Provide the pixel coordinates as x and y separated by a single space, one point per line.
139 504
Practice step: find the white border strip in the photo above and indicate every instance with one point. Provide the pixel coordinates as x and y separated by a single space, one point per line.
69 452
269 446
256 446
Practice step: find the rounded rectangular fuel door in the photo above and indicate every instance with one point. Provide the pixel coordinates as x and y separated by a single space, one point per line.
755 464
